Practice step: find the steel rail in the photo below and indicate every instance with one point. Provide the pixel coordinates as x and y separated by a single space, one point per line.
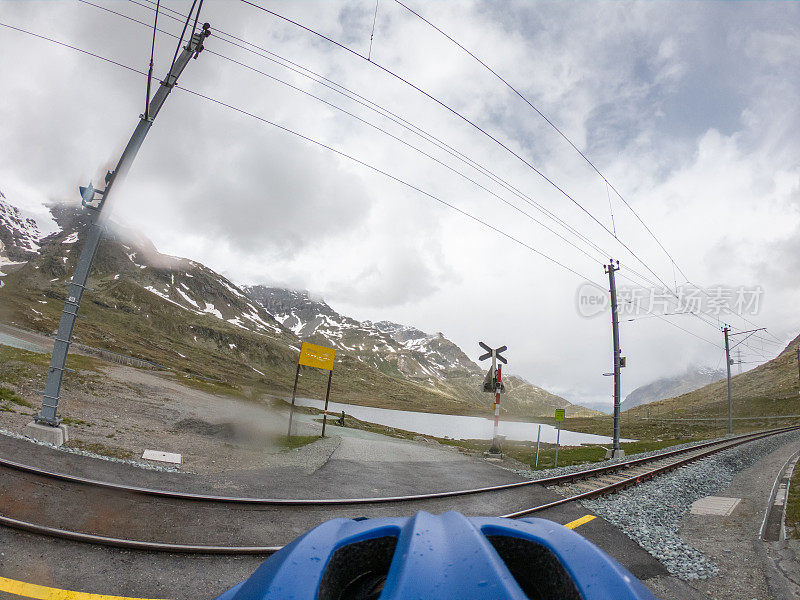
636 479
553 480
133 544
267 550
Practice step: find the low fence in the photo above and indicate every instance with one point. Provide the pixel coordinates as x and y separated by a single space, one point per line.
102 353
122 359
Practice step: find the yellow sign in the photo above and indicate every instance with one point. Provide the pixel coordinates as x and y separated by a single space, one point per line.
319 357
559 414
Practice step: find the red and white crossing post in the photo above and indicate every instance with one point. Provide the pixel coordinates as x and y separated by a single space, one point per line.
497 383
493 384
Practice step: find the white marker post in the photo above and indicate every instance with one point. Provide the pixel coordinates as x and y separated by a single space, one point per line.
538 437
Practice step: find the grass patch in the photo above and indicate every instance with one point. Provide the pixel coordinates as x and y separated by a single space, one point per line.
793 506
98 448
76 421
297 441
9 396
525 452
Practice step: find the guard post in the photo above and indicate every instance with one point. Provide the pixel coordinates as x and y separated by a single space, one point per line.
318 357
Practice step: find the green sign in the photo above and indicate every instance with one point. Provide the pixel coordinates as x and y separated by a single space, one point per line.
559 414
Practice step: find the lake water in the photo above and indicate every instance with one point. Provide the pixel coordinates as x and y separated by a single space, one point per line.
455 426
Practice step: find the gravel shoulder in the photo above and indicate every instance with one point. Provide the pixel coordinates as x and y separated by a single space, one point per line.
122 411
716 557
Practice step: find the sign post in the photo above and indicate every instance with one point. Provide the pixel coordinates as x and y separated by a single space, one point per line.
318 357
327 396
559 418
494 385
294 394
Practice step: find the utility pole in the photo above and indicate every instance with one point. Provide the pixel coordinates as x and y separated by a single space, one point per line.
739 359
798 367
619 361
725 331
728 362
93 201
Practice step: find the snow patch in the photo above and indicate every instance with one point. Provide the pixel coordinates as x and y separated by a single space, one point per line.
187 298
211 309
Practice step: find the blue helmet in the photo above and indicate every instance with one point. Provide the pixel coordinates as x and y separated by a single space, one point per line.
443 557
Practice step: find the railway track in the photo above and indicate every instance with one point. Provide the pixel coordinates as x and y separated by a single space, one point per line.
580 485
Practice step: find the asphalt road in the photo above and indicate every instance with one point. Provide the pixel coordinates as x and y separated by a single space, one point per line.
358 467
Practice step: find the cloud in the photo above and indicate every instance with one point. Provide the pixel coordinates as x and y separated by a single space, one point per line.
691 111
262 192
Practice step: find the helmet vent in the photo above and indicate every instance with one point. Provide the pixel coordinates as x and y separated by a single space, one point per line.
535 568
358 571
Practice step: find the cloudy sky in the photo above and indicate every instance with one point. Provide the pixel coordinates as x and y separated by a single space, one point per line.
689 109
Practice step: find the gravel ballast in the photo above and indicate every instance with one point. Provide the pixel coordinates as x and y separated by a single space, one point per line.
651 513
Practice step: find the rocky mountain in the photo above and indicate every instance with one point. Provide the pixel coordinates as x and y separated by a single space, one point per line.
390 347
19 236
180 314
401 352
692 379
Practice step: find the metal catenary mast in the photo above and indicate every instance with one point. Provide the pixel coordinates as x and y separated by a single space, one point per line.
619 361
93 200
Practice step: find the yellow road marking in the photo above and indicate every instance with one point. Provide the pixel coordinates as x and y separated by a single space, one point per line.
578 522
40 592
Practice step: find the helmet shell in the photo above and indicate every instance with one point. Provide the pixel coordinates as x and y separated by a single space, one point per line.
440 557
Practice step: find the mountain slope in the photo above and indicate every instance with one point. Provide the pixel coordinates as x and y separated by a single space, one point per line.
769 389
19 236
184 316
667 387
403 352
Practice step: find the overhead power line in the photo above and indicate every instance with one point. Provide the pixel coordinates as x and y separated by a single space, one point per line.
383 131
549 122
414 129
341 153
383 112
334 150
472 124
568 140
467 120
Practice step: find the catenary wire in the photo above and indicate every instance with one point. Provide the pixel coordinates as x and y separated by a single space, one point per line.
386 113
407 184
442 145
467 120
244 65
371 125
471 123
549 122
334 150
